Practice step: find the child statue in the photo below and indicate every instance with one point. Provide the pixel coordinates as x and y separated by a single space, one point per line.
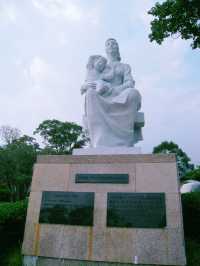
98 75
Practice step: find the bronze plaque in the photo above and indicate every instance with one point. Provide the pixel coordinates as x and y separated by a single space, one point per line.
72 208
139 210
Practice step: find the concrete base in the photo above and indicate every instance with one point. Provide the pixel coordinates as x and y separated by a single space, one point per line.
42 261
98 244
107 151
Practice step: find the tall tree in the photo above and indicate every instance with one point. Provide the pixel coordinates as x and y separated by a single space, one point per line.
192 175
179 18
9 134
61 137
16 164
183 161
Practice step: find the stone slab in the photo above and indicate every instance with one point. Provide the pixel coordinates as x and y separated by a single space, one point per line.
66 262
107 151
151 247
157 177
50 177
173 208
50 240
29 246
176 247
107 159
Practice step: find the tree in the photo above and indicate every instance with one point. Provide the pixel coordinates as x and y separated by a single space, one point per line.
183 161
180 18
16 164
61 137
9 134
192 175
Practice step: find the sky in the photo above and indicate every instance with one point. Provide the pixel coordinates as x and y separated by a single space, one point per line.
44 49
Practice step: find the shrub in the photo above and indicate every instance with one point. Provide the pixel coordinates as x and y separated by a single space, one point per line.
12 221
191 214
13 257
4 194
192 175
13 212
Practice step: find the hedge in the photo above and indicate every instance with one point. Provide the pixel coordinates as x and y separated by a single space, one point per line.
12 221
4 194
191 214
11 212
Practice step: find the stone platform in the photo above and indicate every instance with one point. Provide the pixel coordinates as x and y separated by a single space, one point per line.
107 151
98 243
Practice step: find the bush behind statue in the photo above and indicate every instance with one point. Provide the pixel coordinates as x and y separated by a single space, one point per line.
191 214
13 212
12 221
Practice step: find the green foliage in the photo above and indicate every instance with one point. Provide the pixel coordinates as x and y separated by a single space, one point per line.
16 163
192 175
191 214
61 137
192 252
12 212
4 193
176 17
12 221
14 257
183 161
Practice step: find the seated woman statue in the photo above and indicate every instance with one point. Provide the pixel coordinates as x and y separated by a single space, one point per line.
111 101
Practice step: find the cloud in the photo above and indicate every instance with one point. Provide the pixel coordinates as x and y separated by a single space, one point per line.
139 12
63 9
8 12
38 70
68 10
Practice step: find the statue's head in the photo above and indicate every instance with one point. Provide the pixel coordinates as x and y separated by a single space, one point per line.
98 62
112 48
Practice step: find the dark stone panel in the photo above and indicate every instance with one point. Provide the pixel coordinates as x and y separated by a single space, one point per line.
102 178
137 210
71 208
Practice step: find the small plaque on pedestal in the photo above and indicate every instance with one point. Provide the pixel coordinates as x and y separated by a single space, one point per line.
102 178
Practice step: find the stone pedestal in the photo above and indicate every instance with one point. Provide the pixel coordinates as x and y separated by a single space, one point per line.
98 243
107 151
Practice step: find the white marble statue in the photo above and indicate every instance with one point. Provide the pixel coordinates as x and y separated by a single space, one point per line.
111 102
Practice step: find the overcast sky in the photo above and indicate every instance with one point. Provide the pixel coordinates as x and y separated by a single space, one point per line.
45 45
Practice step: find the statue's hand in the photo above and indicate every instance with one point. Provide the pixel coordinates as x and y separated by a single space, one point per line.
92 85
103 88
88 85
83 89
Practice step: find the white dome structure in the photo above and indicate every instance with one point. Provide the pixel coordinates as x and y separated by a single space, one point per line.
190 186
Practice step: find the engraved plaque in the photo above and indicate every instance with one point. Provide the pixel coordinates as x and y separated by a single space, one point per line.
72 208
102 178
139 210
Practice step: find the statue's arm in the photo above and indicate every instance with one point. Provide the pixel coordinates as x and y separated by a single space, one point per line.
128 78
128 81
